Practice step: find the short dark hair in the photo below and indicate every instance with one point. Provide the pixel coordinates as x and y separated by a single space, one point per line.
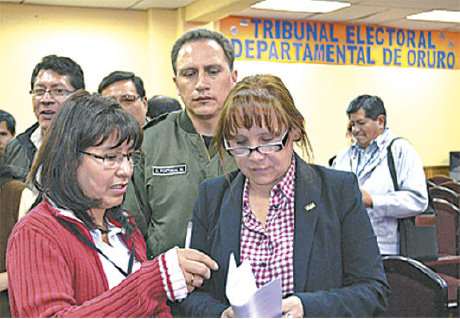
203 34
63 66
371 104
83 121
117 76
10 121
160 104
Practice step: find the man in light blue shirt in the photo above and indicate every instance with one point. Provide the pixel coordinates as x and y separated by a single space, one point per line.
367 158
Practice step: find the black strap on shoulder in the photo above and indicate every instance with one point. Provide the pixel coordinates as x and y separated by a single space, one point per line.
92 246
391 164
431 209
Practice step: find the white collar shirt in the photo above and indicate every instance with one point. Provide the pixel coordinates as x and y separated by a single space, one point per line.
117 251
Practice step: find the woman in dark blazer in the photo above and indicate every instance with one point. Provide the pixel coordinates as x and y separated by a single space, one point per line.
301 222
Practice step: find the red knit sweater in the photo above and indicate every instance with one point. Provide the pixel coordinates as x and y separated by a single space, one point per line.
51 273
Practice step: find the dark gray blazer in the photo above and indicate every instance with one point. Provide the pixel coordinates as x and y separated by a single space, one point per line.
337 266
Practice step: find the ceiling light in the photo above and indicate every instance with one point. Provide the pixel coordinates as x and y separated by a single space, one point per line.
437 15
300 5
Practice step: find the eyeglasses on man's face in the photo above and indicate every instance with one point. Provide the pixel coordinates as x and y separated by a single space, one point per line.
115 160
126 99
263 149
55 93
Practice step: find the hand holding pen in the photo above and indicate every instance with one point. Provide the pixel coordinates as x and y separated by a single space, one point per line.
188 234
195 265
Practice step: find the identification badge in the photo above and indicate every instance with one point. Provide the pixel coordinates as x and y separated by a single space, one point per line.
169 170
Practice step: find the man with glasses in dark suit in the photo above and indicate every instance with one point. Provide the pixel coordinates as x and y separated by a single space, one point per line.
53 80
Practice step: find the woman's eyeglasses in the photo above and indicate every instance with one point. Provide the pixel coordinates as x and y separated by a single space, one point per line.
263 149
115 160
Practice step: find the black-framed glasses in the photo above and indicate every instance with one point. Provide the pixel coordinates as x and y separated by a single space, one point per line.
263 149
53 92
115 160
126 99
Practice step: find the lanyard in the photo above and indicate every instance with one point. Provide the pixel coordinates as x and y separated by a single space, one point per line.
92 246
370 159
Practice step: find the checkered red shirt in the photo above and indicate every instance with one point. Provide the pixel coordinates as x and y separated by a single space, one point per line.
270 250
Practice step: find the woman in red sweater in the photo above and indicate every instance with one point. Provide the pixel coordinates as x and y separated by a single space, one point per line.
77 254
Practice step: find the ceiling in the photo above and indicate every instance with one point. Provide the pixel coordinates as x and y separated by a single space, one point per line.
390 13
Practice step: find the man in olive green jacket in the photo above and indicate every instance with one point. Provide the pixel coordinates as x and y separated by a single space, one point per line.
178 151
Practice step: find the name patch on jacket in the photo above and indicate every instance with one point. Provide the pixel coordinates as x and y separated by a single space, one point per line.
170 170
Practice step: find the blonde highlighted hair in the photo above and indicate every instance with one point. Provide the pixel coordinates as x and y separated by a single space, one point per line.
261 100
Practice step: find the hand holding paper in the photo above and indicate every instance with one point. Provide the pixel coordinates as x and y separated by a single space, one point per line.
246 300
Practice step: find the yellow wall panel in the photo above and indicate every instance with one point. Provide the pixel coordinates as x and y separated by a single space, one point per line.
422 104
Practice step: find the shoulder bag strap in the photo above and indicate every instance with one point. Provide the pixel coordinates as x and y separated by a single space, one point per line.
391 164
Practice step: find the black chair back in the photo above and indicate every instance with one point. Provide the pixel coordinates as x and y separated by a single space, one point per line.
447 227
439 179
445 193
453 185
416 290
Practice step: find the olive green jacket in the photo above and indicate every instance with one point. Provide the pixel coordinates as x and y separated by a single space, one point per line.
165 183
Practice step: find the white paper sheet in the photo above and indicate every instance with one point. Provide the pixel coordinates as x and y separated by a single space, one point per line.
246 299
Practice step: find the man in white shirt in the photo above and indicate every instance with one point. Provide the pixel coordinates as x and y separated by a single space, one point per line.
367 158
